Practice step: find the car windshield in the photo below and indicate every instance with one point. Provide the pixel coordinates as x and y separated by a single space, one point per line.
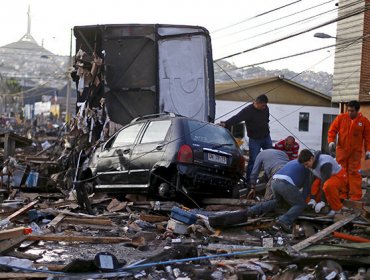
208 133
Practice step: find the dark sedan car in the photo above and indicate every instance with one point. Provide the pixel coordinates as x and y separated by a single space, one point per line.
167 154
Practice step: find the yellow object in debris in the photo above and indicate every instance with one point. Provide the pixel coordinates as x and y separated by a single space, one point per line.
217 232
239 141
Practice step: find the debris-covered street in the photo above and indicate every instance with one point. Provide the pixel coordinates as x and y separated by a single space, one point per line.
46 233
143 180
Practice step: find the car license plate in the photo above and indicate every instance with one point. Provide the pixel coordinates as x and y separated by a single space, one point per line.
217 158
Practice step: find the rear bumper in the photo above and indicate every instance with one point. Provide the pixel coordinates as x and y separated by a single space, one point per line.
207 180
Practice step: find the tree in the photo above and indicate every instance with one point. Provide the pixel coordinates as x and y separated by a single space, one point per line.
12 85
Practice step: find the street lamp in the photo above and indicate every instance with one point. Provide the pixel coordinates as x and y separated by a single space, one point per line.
323 35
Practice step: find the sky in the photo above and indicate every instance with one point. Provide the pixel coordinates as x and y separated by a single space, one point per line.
235 26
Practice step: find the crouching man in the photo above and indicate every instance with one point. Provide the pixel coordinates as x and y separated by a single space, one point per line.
271 161
286 185
331 179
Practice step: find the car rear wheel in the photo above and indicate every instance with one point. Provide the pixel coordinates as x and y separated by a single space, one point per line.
162 183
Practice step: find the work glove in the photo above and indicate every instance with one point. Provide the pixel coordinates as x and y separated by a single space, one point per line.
367 155
332 147
312 203
319 206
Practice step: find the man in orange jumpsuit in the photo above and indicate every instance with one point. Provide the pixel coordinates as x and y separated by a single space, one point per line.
353 130
331 179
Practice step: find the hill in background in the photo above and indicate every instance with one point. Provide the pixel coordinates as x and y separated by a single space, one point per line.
319 81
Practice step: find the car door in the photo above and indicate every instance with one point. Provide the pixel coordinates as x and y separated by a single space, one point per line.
148 151
113 162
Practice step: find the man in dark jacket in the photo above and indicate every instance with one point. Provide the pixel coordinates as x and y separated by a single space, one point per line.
256 117
286 185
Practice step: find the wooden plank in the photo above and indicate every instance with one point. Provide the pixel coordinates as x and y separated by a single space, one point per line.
78 238
22 210
35 158
318 236
353 204
69 213
325 219
351 249
88 226
153 218
13 194
366 213
97 221
9 244
51 226
22 255
11 233
9 145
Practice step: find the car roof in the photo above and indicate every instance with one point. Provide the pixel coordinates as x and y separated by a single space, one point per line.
161 116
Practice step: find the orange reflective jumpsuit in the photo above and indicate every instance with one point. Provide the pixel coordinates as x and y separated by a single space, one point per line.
353 135
335 189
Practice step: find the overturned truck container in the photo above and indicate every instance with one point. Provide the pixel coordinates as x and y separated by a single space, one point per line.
153 68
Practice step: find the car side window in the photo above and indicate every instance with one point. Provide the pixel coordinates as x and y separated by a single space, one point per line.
156 131
127 135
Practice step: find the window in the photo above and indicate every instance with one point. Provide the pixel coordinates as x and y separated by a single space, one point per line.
209 133
303 121
156 131
127 135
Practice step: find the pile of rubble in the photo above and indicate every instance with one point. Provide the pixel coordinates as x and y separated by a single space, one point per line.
44 232
47 235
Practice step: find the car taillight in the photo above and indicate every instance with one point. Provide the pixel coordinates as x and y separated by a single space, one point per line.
185 154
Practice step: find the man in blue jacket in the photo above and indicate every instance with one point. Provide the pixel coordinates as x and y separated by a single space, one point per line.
286 185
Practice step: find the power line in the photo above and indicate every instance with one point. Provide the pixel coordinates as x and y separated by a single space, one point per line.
300 21
299 54
286 57
339 18
274 20
280 27
256 16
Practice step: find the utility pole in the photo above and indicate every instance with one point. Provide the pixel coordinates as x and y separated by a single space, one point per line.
69 84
